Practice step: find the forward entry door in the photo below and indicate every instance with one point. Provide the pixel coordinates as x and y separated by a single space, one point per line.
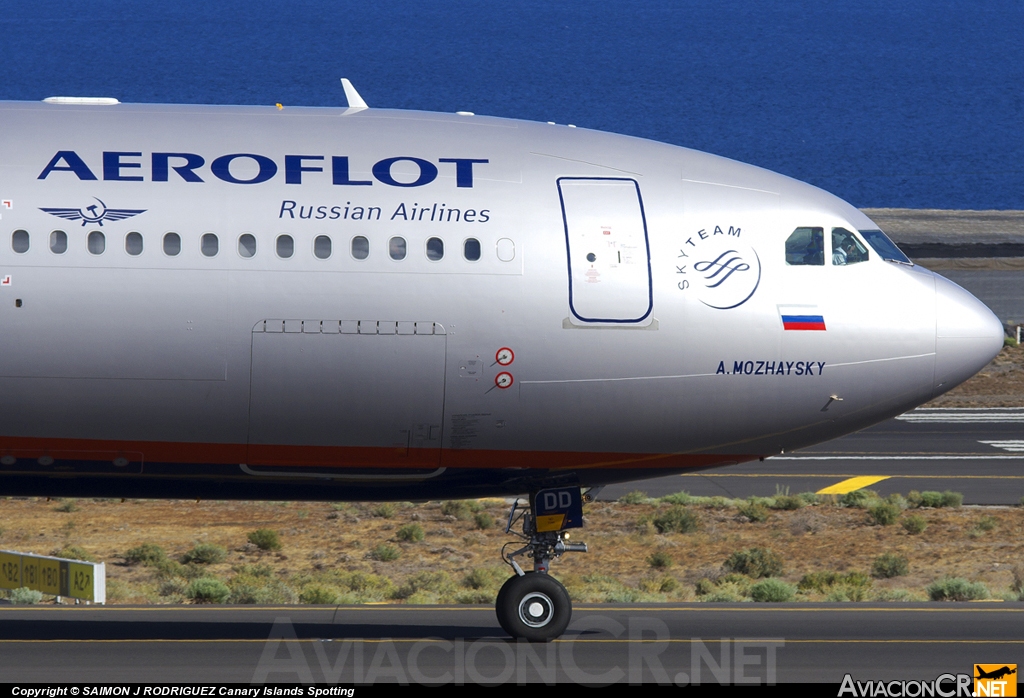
609 255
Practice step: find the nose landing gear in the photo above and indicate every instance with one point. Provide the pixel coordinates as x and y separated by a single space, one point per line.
533 605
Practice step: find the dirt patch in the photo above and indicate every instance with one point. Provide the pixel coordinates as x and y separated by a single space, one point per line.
328 551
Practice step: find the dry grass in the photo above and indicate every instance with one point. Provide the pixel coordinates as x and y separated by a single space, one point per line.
323 544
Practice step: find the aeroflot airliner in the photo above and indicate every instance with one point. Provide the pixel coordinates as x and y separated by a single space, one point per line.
368 304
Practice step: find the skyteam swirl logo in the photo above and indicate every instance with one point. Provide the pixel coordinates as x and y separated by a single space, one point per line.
716 266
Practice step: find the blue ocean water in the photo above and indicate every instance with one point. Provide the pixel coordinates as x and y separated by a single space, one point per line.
909 104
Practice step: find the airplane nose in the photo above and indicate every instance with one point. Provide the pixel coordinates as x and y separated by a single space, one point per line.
967 335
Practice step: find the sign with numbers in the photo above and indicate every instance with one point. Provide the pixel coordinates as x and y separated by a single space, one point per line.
56 576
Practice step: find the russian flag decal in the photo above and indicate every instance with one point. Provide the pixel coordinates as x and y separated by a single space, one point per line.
801 318
803 322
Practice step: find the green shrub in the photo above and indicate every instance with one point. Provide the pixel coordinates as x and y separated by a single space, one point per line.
827 581
677 519
884 513
383 510
67 506
259 570
410 533
384 553
772 590
265 539
755 563
859 499
898 595
208 590
914 524
461 509
683 498
317 594
730 587
660 560
205 554
787 502
889 565
809 498
251 589
73 552
24 596
957 589
952 499
753 511
435 584
634 497
485 578
193 570
483 520
987 523
935 500
145 554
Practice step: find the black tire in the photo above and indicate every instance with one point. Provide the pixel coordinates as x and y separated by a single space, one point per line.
534 607
499 601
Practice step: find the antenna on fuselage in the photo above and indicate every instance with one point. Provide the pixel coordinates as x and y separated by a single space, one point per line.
354 100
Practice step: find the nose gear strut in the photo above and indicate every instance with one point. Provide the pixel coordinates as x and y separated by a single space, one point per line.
532 605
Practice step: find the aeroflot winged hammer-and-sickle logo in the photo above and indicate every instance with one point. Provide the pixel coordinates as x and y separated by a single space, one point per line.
94 214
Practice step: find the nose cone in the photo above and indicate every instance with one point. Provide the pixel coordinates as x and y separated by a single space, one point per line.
967 335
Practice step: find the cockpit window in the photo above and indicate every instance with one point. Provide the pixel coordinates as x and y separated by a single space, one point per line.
846 248
885 247
806 247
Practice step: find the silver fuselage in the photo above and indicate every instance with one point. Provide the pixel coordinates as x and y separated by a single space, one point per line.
639 289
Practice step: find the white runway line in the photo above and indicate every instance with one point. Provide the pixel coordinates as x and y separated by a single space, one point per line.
1012 445
948 456
965 415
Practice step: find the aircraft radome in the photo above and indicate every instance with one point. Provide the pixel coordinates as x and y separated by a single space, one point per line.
368 304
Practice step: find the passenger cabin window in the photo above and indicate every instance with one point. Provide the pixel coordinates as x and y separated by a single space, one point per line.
322 247
396 248
846 248
96 242
172 244
133 244
285 246
209 245
19 241
247 245
435 249
885 247
360 247
58 242
471 249
806 247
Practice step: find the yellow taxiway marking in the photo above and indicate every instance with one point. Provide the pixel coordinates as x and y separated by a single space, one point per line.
851 484
832 476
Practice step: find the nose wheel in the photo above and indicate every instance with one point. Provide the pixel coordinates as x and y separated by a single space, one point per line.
532 605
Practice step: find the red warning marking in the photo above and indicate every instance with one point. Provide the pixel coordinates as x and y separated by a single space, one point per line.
504 380
505 356
6 281
7 203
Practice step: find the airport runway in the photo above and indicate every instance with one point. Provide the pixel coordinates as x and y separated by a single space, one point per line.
977 452
669 643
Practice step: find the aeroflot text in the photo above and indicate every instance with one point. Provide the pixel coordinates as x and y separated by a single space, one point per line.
252 168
